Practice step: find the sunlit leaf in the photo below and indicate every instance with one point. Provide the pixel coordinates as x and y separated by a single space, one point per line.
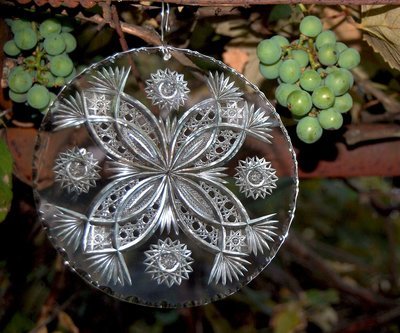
288 318
381 24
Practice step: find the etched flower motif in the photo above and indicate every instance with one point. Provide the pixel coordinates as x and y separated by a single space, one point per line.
255 177
168 175
167 89
168 262
76 170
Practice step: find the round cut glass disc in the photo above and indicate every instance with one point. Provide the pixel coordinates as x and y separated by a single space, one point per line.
164 177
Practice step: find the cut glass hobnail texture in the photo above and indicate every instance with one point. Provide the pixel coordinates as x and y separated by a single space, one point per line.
171 185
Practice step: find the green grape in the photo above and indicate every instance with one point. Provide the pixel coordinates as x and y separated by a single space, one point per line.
49 26
80 68
30 61
327 55
308 129
17 69
330 119
67 27
61 65
11 49
25 39
349 58
310 26
289 71
47 107
323 97
338 82
269 51
330 69
299 102
19 80
70 42
38 96
270 71
283 91
349 75
310 80
280 40
340 47
70 76
47 79
18 25
16 97
54 44
53 97
59 81
343 103
301 57
325 37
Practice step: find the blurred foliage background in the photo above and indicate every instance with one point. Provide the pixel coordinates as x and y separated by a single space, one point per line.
339 269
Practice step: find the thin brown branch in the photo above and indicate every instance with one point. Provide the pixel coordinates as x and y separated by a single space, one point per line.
117 25
315 263
355 135
118 29
148 35
391 104
370 322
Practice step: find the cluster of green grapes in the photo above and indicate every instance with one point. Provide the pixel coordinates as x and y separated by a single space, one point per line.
313 75
42 60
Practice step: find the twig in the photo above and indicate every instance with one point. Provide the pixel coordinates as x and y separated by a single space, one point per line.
49 308
391 105
117 25
374 198
315 263
370 322
390 231
355 135
148 35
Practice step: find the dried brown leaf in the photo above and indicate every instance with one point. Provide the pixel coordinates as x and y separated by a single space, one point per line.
381 26
345 30
235 57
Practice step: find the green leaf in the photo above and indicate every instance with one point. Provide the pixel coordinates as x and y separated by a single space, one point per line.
280 12
381 26
19 323
6 165
317 297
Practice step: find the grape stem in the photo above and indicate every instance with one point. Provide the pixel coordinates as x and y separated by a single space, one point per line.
303 8
311 55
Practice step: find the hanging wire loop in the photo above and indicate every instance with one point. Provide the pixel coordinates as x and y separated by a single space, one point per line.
164 26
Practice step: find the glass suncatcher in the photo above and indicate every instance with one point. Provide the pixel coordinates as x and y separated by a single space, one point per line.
173 185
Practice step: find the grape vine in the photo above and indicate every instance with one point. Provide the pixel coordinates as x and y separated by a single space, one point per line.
42 62
314 77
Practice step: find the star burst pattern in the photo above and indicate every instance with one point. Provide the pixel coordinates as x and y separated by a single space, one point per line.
168 262
167 174
255 177
76 170
167 89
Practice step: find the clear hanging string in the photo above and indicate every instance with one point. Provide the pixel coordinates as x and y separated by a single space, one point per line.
164 26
